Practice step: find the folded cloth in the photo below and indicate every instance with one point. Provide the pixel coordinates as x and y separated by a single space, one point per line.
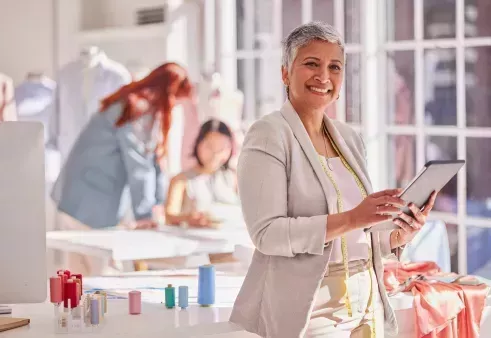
443 310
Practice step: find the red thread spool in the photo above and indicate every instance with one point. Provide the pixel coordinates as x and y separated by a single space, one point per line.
71 293
55 289
63 281
79 276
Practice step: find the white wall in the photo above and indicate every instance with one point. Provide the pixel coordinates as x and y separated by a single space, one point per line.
26 37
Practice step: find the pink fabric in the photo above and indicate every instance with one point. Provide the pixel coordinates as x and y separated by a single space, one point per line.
357 239
443 310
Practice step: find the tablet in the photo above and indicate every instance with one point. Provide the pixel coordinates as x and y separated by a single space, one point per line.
433 177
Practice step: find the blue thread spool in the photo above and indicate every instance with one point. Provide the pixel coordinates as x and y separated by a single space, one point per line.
206 285
183 296
94 311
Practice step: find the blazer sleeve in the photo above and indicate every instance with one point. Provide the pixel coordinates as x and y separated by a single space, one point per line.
263 189
140 171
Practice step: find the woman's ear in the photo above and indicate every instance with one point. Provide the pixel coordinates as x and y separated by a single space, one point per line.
285 76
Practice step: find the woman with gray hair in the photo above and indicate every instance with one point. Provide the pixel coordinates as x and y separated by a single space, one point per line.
306 199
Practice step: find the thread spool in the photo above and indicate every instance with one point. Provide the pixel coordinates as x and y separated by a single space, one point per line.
79 277
55 290
64 279
71 300
104 299
94 311
206 285
135 302
183 296
170 297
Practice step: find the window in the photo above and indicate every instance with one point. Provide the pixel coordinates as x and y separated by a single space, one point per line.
250 55
417 85
437 104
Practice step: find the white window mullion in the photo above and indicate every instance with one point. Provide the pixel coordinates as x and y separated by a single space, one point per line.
419 84
461 139
372 117
306 11
339 15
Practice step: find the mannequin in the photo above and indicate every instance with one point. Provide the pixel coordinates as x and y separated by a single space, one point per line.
35 99
8 111
82 84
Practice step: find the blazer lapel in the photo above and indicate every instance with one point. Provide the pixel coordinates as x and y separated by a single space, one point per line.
347 154
303 139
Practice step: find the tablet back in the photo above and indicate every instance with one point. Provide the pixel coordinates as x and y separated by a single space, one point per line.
435 176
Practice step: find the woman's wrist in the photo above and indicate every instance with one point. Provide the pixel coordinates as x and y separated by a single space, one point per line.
395 239
338 224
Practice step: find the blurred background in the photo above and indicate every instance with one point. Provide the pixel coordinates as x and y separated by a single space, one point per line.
418 79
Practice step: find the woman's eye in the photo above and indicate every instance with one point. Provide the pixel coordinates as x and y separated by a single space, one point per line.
335 67
311 64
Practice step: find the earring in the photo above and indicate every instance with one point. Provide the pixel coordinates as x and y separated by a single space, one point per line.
287 91
338 97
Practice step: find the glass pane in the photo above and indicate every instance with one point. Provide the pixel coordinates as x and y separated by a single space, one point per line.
291 16
400 87
400 20
440 87
353 88
478 86
444 148
439 19
401 159
478 167
260 82
477 21
453 243
255 28
323 10
352 21
479 251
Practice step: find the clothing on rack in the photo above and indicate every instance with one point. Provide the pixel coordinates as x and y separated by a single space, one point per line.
81 86
8 111
35 100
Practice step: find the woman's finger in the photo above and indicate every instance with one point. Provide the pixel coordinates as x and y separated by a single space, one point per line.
390 200
388 192
387 209
403 225
410 221
429 205
418 215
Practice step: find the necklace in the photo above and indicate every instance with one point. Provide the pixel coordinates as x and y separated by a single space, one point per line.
344 245
325 146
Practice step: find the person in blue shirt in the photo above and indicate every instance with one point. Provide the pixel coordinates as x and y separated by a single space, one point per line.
123 147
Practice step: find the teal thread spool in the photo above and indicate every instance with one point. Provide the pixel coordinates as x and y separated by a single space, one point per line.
170 297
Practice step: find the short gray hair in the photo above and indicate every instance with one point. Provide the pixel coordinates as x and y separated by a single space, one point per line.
306 33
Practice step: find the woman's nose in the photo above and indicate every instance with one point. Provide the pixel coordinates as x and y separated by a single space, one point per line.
322 77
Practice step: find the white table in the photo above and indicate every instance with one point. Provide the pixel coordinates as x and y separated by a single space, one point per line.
157 321
154 321
127 245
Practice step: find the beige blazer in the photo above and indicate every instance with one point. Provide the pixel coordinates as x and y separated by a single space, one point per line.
286 202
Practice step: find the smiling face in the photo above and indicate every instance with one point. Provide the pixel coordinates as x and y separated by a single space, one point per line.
316 75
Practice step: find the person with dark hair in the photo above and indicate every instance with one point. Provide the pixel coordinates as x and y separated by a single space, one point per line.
124 146
211 181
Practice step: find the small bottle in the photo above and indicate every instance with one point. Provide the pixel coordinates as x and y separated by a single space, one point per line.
170 297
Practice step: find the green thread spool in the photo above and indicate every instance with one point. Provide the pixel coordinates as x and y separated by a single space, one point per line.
170 297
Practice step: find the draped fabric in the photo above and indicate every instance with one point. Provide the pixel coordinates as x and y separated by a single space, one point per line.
446 305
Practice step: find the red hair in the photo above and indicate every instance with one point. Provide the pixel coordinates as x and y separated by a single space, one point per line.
167 82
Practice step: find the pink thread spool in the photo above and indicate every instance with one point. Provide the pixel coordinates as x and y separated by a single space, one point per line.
135 300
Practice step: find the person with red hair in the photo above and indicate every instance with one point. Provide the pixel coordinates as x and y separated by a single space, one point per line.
123 147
